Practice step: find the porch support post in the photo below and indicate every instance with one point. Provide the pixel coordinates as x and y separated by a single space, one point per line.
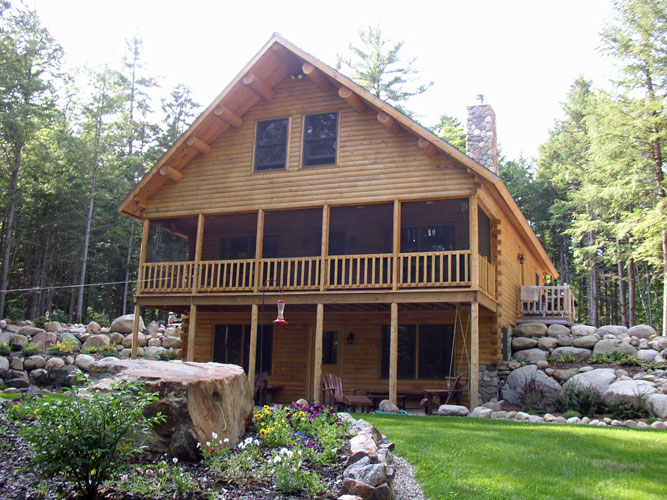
474 242
135 331
198 249
253 345
317 369
474 354
393 353
259 247
192 326
396 244
324 252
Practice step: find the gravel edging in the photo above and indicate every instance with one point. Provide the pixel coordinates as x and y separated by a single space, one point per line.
405 485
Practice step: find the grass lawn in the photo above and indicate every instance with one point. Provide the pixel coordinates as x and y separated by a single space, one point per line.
485 459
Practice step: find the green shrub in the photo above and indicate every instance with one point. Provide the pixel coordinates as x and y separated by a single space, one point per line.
583 400
566 358
83 436
91 349
532 397
30 349
571 413
168 355
289 475
109 350
615 357
244 466
101 318
627 407
64 346
162 480
39 321
5 349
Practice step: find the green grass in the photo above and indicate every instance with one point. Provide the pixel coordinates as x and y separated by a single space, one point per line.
466 458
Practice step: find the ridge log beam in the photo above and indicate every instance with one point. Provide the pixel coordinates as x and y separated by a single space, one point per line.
429 149
198 144
170 173
228 116
316 76
258 86
352 99
388 122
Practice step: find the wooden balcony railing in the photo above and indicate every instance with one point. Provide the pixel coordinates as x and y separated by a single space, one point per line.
487 276
359 271
434 269
369 271
223 275
547 302
159 277
295 273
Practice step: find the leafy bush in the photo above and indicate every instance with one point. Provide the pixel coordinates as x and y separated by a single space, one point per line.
5 349
91 349
101 318
571 413
64 346
532 397
627 407
82 436
29 349
583 400
39 321
168 355
615 357
109 350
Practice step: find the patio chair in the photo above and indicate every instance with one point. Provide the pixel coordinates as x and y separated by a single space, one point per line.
332 385
433 398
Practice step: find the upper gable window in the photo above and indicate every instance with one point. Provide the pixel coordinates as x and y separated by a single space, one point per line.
271 144
319 139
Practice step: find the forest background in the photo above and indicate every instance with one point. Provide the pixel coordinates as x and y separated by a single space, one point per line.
73 143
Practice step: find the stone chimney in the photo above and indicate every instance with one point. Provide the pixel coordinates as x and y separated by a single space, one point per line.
481 139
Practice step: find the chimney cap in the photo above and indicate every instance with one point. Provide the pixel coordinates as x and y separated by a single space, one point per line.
480 98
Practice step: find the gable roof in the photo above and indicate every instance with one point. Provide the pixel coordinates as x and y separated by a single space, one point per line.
279 59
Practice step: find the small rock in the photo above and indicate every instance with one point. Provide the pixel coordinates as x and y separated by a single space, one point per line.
547 343
520 415
96 341
453 411
354 488
16 364
171 343
4 364
647 355
34 362
83 361
54 364
565 340
629 423
53 326
573 420
481 412
658 425
18 383
387 406
642 425
542 364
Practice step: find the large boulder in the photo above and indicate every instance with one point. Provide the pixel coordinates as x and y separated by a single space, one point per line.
123 324
93 328
618 331
531 355
96 341
529 377
83 361
556 331
453 411
599 379
657 403
198 399
171 342
54 326
5 337
44 339
564 352
630 388
642 332
582 330
34 362
647 355
547 343
530 330
29 330
141 340
587 341
606 346
520 343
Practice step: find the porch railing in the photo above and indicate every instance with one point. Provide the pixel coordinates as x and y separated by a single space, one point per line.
370 271
359 271
546 302
487 276
427 269
166 277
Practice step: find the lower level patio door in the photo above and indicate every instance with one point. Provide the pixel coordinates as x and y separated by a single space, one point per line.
331 355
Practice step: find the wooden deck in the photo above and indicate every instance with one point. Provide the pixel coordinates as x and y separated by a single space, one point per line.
341 272
546 304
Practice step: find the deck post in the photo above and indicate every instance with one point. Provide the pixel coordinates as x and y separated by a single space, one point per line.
135 331
474 354
317 368
143 251
198 250
259 244
393 353
324 251
474 242
192 324
253 345
396 246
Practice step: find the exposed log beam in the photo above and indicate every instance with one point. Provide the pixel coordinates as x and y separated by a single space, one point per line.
388 122
170 173
258 86
228 116
352 99
316 75
428 148
476 181
198 144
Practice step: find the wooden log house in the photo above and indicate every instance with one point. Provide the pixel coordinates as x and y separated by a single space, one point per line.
400 258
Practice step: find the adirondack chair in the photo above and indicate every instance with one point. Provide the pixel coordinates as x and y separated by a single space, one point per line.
433 398
332 385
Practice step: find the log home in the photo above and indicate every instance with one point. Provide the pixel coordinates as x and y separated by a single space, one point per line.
400 259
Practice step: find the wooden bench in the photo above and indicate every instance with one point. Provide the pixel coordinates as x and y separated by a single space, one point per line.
433 398
401 396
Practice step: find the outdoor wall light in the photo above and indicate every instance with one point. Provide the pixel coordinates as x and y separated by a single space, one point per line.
350 338
521 259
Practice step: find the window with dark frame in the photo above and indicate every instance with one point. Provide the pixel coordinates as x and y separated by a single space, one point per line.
271 144
330 348
231 344
424 351
320 135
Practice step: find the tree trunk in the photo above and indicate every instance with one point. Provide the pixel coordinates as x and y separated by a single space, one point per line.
593 291
128 262
621 286
631 292
11 209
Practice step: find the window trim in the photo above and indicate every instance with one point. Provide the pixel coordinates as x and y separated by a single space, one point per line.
287 142
303 139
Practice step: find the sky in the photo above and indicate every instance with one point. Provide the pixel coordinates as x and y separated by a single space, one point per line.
522 55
